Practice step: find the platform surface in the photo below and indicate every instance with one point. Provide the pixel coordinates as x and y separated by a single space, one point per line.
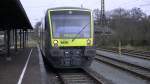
11 71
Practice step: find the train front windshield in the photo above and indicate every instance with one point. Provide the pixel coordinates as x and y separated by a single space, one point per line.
70 24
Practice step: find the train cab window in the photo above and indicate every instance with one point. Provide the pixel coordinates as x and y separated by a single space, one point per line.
69 25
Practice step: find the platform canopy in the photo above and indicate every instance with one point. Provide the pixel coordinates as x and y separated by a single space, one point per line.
13 15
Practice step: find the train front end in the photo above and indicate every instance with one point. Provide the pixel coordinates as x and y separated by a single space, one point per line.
71 37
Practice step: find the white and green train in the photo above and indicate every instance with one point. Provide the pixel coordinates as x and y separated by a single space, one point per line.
67 37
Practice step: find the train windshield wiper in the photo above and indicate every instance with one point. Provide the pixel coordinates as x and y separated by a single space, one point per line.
80 32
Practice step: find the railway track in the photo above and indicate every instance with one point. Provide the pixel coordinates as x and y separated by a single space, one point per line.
138 54
74 76
85 76
134 69
77 77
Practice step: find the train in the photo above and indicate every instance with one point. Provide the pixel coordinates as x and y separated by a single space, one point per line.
67 37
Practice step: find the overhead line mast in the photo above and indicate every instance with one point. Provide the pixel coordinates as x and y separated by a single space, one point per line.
102 16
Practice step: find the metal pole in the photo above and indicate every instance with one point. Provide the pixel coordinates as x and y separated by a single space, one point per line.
23 38
119 48
20 37
27 36
103 18
13 31
5 39
15 39
8 46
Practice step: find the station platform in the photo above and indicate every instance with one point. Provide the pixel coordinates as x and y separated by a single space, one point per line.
24 67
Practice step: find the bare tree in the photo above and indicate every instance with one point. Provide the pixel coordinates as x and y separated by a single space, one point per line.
130 26
97 13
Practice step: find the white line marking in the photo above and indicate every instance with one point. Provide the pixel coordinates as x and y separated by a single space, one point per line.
24 69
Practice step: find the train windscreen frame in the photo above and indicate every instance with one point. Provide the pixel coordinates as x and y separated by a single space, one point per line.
69 24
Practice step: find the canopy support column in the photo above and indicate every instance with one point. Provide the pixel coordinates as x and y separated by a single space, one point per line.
16 40
8 58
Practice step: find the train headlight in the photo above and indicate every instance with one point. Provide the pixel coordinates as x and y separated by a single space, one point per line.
88 42
55 42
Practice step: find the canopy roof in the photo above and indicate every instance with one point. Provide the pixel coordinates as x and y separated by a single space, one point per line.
13 16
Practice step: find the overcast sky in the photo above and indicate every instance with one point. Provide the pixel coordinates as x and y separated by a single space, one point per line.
35 9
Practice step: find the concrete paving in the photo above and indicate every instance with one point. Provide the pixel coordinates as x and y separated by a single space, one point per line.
33 74
10 71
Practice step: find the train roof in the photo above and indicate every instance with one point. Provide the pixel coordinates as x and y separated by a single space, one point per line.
77 8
